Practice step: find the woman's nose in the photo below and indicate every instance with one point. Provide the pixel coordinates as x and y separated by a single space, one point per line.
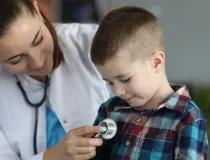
37 61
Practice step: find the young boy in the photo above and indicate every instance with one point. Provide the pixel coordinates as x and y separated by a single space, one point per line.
156 120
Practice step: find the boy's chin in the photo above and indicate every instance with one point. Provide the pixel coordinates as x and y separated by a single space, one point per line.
137 105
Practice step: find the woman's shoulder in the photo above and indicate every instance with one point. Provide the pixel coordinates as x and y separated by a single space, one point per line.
5 75
75 41
75 25
74 29
75 36
7 82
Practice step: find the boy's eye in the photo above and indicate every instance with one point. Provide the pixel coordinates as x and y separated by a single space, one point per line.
126 80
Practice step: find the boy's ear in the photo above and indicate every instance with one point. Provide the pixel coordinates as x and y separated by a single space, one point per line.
158 61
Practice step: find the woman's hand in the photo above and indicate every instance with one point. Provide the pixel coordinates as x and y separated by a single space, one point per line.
76 145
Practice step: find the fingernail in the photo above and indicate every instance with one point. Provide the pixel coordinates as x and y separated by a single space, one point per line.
103 129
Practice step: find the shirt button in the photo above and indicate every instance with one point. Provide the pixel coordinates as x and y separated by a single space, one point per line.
64 121
128 143
138 120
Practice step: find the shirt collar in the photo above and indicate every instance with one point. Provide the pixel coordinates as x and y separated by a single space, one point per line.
178 101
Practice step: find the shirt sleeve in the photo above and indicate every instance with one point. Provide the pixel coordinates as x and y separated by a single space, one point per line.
36 157
6 152
192 143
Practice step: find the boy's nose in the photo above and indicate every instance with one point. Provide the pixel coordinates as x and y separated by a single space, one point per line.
118 91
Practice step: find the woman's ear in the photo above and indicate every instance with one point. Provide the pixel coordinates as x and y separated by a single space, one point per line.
36 5
158 61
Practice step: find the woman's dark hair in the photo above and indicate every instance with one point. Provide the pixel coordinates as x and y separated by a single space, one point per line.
10 10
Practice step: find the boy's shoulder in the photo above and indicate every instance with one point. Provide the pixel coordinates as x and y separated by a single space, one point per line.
187 115
193 108
191 114
182 105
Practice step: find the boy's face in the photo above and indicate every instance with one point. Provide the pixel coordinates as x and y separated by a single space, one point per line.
136 82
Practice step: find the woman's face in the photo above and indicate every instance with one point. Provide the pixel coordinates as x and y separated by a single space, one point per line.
27 47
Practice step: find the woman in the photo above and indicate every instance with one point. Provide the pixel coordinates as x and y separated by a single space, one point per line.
49 87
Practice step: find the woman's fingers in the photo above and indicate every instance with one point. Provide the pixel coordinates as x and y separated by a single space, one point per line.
82 150
84 156
86 142
82 131
78 146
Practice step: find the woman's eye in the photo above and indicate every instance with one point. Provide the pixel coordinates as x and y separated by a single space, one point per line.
110 83
39 42
16 62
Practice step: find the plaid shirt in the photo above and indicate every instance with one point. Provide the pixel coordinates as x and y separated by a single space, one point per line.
176 129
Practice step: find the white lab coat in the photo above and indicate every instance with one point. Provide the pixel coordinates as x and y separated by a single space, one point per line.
75 94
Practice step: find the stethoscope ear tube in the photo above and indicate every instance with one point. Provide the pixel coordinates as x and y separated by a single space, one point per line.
36 106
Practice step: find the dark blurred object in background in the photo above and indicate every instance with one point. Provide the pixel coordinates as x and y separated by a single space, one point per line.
83 11
79 11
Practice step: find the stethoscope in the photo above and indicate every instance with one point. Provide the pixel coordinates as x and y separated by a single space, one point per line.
36 106
111 127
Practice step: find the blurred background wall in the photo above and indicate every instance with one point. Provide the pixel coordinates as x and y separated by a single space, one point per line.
186 26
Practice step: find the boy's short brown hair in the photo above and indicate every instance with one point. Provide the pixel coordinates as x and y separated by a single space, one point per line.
127 27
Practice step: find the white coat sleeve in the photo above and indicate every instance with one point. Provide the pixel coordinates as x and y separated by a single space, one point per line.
36 157
7 153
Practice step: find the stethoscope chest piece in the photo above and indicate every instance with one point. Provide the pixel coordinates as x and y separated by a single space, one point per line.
111 128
